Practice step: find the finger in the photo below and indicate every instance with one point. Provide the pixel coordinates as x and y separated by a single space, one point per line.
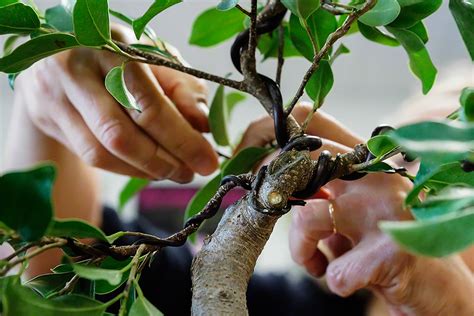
188 93
326 126
310 224
84 144
163 122
363 265
258 134
113 128
337 244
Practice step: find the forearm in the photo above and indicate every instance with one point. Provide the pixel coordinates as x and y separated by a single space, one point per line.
75 193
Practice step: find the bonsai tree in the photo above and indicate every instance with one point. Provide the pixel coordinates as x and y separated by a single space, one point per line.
308 29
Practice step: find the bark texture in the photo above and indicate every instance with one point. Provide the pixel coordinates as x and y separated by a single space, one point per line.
222 269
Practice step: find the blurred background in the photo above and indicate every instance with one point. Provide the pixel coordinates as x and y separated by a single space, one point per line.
371 83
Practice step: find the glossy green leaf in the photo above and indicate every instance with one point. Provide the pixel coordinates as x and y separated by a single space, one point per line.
383 13
148 31
302 8
420 30
18 18
11 80
48 284
438 177
321 23
379 167
467 103
143 307
218 118
76 228
450 200
225 5
131 188
60 18
26 201
413 11
420 61
463 13
341 49
91 22
268 44
375 35
103 286
113 277
437 237
381 145
320 82
213 26
21 300
115 84
156 8
36 49
233 99
9 44
4 3
437 142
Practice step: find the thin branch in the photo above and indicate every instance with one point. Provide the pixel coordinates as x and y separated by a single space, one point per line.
68 287
310 35
336 8
13 263
253 29
281 52
340 32
244 11
20 250
155 59
131 279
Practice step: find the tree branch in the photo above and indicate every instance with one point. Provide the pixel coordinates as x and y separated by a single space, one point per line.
155 59
281 52
340 32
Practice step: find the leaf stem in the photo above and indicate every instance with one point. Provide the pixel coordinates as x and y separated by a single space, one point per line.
131 279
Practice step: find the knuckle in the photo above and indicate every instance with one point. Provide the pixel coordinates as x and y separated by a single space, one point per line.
94 156
144 99
113 135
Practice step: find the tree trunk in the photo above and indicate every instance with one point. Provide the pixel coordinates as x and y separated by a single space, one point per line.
222 269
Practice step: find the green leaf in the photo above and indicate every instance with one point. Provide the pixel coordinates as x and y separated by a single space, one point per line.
4 3
123 266
26 201
18 18
420 30
148 31
218 118
21 300
233 99
225 5
11 80
113 277
213 26
467 103
463 13
115 84
59 18
413 11
341 49
375 35
381 145
437 177
131 188
437 142
302 8
36 49
437 237
383 13
156 8
75 228
449 200
48 284
153 49
143 307
420 61
268 44
321 23
9 44
320 82
91 22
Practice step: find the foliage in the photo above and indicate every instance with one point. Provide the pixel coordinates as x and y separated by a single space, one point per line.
444 219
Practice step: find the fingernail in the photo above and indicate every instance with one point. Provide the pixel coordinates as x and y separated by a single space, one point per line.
203 108
183 175
205 165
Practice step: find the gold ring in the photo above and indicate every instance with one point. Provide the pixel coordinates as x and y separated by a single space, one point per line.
333 219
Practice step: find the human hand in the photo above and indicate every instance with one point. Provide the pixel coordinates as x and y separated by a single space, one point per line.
66 99
358 255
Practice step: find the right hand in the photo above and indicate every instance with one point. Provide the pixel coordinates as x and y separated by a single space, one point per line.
66 99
